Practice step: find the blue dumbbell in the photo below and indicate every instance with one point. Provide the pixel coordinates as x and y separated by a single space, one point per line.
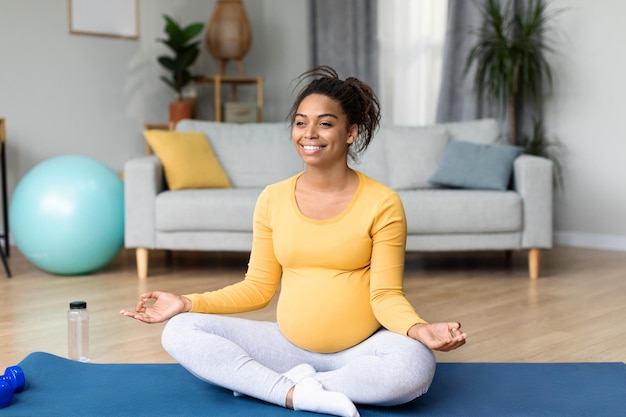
12 381
15 377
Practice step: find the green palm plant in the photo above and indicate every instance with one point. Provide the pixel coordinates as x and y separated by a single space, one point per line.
180 41
510 55
538 143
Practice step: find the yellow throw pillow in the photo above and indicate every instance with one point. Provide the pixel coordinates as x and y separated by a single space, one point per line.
188 159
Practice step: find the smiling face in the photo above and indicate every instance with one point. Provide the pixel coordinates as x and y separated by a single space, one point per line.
320 132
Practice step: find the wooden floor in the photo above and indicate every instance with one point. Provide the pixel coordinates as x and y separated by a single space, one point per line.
575 312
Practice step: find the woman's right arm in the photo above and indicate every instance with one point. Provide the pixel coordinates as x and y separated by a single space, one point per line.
166 305
262 277
254 292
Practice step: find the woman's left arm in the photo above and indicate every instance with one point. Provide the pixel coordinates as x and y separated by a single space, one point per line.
387 298
388 233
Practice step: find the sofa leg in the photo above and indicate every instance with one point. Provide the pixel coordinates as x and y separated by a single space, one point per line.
142 262
534 256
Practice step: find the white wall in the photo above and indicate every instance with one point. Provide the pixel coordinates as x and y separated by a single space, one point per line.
587 114
63 93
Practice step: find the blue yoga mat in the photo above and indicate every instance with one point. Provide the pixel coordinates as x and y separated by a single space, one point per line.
59 387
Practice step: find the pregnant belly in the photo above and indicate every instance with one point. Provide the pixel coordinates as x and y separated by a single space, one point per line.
326 315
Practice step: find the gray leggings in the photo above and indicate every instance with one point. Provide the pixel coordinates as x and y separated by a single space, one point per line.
249 357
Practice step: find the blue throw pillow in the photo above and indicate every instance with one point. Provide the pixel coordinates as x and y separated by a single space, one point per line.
477 166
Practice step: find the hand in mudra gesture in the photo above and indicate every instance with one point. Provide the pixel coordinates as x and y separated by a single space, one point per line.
166 305
439 336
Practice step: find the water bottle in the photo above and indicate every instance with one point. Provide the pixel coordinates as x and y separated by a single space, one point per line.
78 331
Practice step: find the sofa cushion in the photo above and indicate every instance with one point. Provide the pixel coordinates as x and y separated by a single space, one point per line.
188 159
486 131
477 166
252 154
413 155
373 161
378 164
206 210
462 211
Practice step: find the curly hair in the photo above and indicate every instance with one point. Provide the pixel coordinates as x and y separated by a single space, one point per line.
355 98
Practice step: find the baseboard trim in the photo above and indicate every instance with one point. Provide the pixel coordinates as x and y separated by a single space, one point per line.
590 240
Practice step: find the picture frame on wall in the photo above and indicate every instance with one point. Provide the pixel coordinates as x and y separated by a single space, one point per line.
112 18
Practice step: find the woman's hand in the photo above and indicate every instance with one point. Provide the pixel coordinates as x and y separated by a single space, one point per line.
439 336
166 306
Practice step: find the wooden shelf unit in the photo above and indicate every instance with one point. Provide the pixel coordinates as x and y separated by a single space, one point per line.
234 82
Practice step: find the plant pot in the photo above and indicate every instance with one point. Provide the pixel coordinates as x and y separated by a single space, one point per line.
181 109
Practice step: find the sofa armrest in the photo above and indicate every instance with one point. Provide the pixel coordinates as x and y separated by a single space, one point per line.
533 181
143 180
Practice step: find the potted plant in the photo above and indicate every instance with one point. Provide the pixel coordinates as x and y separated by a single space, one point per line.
180 40
510 55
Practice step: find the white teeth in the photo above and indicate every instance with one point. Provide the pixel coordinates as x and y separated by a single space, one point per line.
311 147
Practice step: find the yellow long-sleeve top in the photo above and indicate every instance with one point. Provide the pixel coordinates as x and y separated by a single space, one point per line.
341 277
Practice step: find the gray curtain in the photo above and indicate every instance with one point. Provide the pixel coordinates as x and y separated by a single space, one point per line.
457 99
343 36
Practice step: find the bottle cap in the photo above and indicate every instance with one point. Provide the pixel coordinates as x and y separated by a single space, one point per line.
74 305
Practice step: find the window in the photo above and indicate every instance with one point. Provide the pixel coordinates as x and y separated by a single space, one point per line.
411 36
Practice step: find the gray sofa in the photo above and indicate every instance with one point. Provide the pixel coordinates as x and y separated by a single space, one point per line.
254 155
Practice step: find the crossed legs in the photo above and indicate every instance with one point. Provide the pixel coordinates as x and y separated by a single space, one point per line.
255 359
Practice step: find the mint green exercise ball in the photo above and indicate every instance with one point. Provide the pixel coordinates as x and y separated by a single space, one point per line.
66 215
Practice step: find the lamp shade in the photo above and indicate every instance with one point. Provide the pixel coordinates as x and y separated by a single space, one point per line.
228 35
